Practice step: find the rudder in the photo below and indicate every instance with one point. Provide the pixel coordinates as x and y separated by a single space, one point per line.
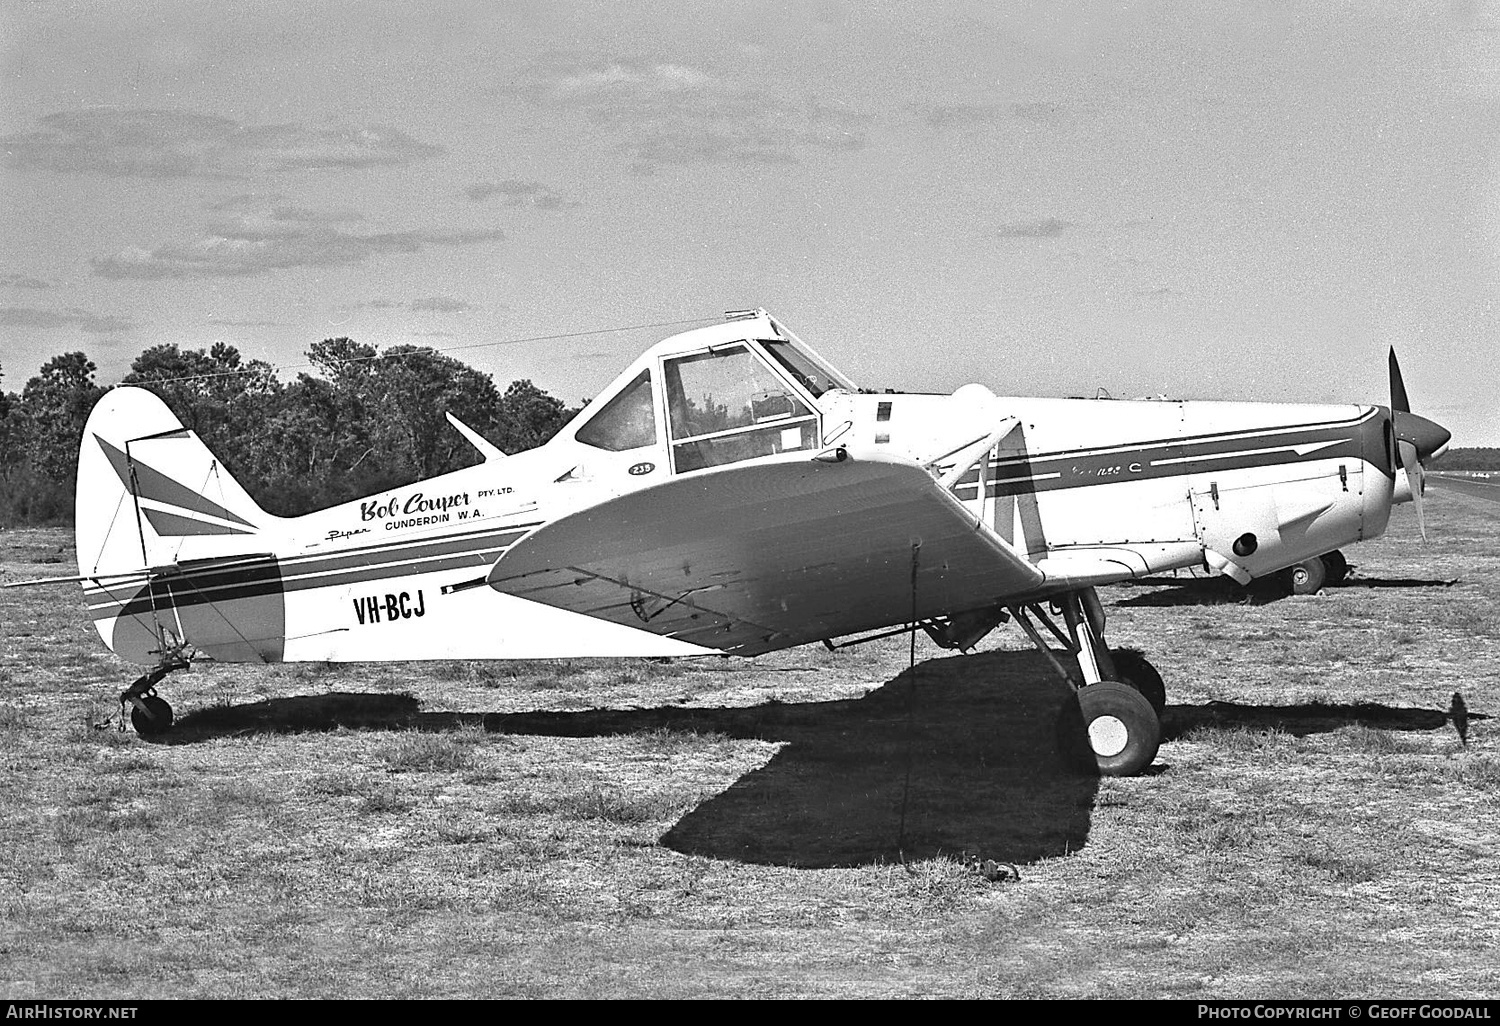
153 501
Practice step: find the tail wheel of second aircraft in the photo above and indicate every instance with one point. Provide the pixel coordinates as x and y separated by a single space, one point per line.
1113 723
157 723
1308 576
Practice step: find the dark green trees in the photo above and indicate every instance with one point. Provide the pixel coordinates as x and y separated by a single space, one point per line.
364 422
39 440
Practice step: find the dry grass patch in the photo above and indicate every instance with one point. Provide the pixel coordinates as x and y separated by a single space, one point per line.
421 752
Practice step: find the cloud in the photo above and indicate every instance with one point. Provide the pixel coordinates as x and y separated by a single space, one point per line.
224 322
518 193
276 207
23 281
673 114
1038 111
441 304
94 324
271 238
959 115
181 144
427 304
1046 228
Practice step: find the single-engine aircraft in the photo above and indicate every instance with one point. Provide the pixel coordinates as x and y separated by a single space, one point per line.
732 493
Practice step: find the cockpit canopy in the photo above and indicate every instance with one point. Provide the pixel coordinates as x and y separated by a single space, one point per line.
717 395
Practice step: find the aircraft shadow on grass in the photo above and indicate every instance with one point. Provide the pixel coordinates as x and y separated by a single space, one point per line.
1303 719
1218 591
977 734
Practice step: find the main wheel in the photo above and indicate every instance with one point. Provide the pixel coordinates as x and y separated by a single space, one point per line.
158 723
1134 670
1308 576
1113 723
1336 565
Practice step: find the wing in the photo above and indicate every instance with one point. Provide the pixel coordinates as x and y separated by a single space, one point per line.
751 558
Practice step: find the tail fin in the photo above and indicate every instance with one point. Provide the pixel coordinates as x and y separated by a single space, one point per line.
152 501
150 493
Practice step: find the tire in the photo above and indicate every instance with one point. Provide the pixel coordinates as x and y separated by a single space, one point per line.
1133 669
1110 729
155 725
1308 576
1336 566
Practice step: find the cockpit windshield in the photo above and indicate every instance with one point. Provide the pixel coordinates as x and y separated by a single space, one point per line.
810 372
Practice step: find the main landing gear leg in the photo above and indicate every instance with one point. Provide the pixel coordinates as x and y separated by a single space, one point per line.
151 716
1115 717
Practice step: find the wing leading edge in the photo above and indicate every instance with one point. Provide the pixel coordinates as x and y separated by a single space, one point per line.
749 559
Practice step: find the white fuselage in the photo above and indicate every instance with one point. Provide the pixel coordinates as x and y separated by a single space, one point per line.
1156 485
1152 486
1088 490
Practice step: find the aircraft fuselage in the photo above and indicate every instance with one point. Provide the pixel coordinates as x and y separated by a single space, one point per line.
1090 491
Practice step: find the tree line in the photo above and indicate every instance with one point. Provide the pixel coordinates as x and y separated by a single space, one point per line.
1467 459
366 421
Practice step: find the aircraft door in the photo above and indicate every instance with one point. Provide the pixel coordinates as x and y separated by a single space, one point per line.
726 405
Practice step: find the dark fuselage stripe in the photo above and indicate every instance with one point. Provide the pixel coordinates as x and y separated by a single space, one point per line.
185 590
1175 449
213 572
366 555
1021 474
1219 440
401 552
204 584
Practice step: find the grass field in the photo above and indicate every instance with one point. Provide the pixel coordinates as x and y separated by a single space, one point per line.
804 825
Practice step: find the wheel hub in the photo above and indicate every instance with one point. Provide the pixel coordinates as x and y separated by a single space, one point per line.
1108 735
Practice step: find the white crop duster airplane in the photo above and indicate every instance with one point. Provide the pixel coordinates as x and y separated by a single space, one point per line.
732 493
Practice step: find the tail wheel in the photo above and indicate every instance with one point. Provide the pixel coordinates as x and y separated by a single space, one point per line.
156 724
1336 565
1113 724
1308 576
1133 669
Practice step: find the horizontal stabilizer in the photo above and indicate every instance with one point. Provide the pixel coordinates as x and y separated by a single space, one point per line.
478 441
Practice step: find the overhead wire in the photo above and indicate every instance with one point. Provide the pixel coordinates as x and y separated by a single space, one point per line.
425 350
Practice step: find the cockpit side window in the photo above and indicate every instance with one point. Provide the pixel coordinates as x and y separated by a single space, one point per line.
724 389
725 405
628 421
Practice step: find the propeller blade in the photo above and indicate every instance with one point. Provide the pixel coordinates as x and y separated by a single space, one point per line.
1399 401
1413 468
1417 439
1415 476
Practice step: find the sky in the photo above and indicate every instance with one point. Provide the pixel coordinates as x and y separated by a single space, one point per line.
1239 200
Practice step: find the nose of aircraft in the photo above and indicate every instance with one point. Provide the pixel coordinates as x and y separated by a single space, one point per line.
1429 437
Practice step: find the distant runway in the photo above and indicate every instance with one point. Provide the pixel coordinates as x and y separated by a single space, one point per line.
1485 489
